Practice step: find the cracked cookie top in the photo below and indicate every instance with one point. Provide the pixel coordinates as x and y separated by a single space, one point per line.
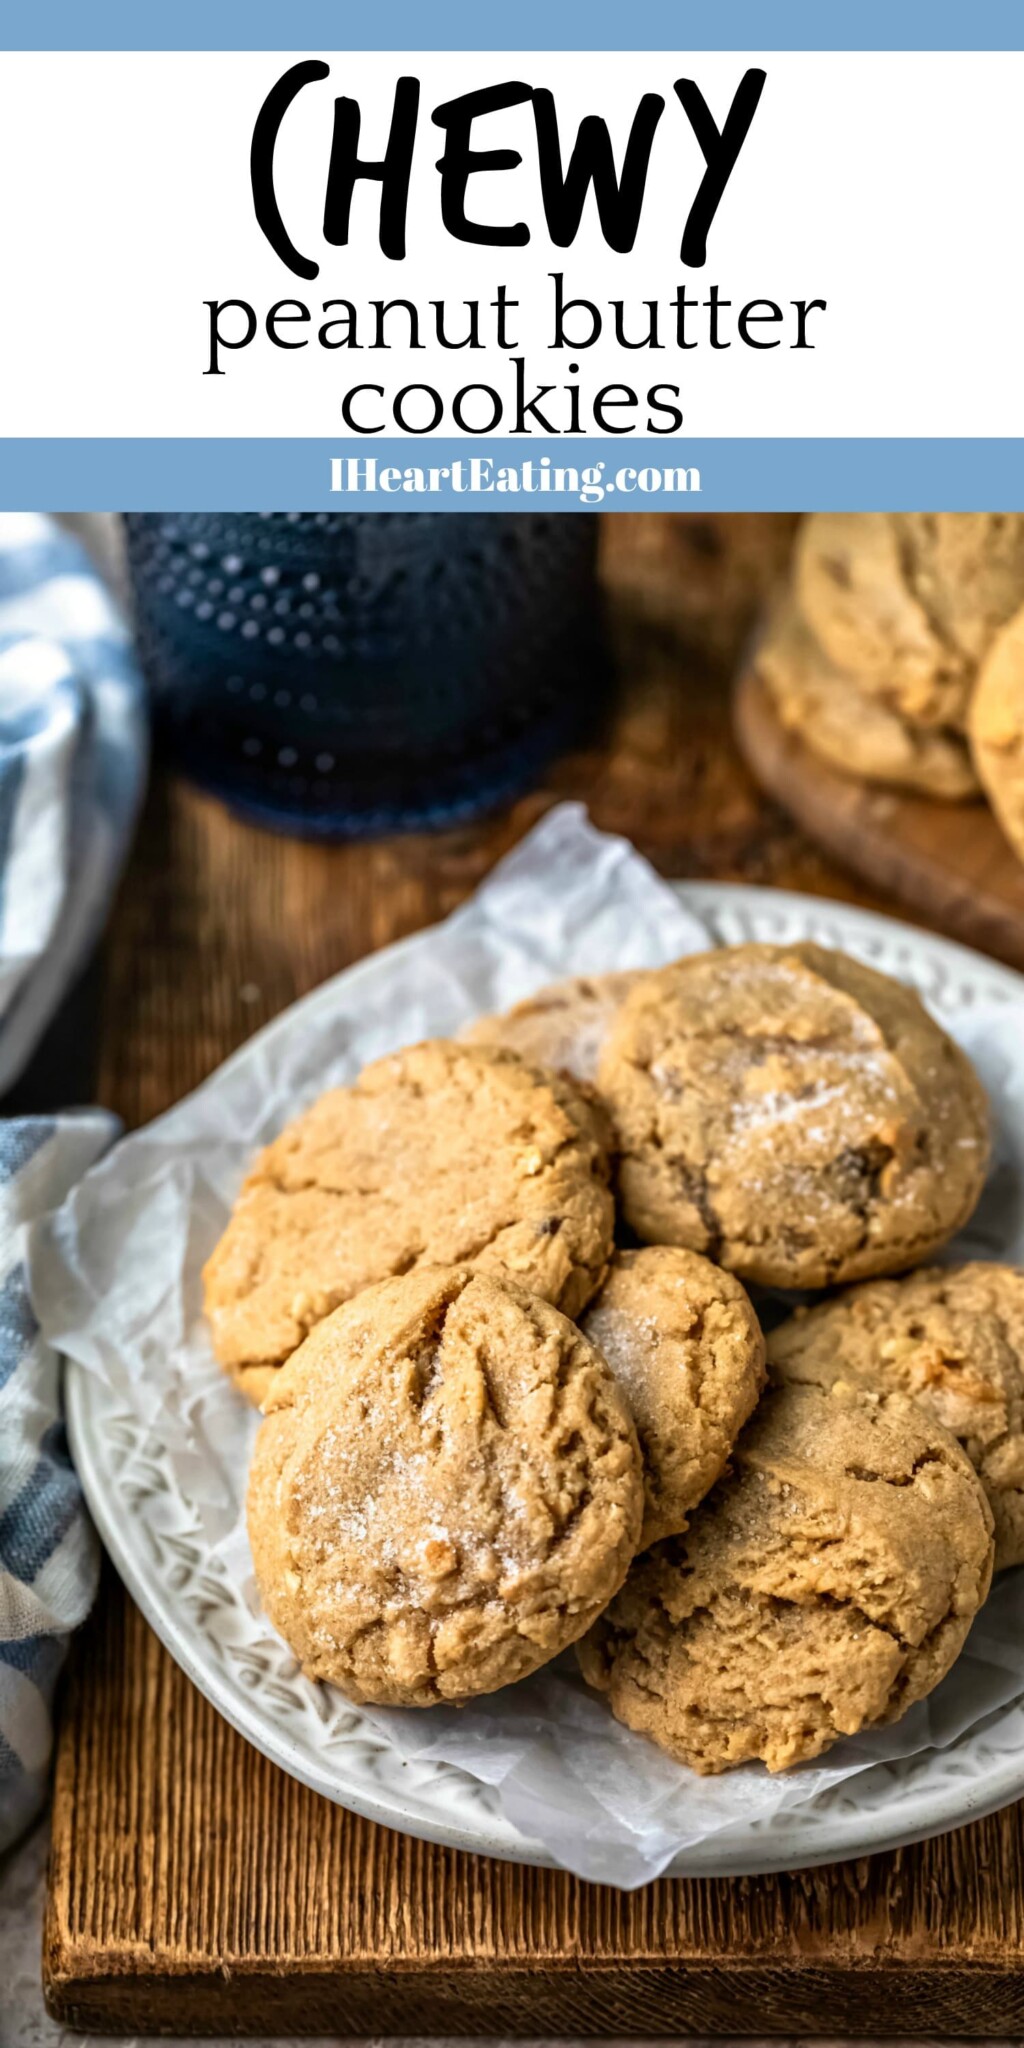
442 1154
791 1113
825 1585
850 726
968 571
446 1489
909 603
995 725
686 1348
950 1336
562 1026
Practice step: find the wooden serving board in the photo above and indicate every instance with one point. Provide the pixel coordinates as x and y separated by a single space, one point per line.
196 1889
949 862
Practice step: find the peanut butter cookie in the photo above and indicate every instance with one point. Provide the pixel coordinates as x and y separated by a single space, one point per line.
825 1585
446 1489
950 1336
686 1348
854 592
791 1113
967 569
854 731
562 1026
442 1154
909 603
996 730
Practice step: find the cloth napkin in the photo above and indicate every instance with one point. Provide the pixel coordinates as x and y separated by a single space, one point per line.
72 765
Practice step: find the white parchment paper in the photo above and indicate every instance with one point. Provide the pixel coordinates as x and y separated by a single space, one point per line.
115 1279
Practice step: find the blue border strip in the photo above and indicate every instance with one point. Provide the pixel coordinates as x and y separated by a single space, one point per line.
755 25
295 475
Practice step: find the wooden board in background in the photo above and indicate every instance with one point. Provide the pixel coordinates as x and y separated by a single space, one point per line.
194 1888
946 862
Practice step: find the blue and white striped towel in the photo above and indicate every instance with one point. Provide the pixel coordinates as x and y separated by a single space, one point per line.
48 1552
72 763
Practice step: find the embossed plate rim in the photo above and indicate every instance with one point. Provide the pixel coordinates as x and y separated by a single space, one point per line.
801 1838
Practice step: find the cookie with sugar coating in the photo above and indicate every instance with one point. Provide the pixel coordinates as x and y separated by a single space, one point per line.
446 1489
686 1348
793 1114
442 1154
563 1025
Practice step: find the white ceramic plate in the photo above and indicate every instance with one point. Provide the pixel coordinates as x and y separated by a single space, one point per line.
311 1731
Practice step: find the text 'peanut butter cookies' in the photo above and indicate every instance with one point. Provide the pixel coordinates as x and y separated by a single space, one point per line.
446 1489
442 1154
950 1336
562 1026
824 1586
793 1114
686 1348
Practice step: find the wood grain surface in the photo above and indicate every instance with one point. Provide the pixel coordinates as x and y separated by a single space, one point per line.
194 1888
948 861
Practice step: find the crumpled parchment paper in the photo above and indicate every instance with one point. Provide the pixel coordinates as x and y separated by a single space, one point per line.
115 1283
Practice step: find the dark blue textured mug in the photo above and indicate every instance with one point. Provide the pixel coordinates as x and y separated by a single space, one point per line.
338 674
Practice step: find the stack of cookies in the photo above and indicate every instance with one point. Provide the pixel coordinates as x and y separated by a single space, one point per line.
898 652
492 1300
